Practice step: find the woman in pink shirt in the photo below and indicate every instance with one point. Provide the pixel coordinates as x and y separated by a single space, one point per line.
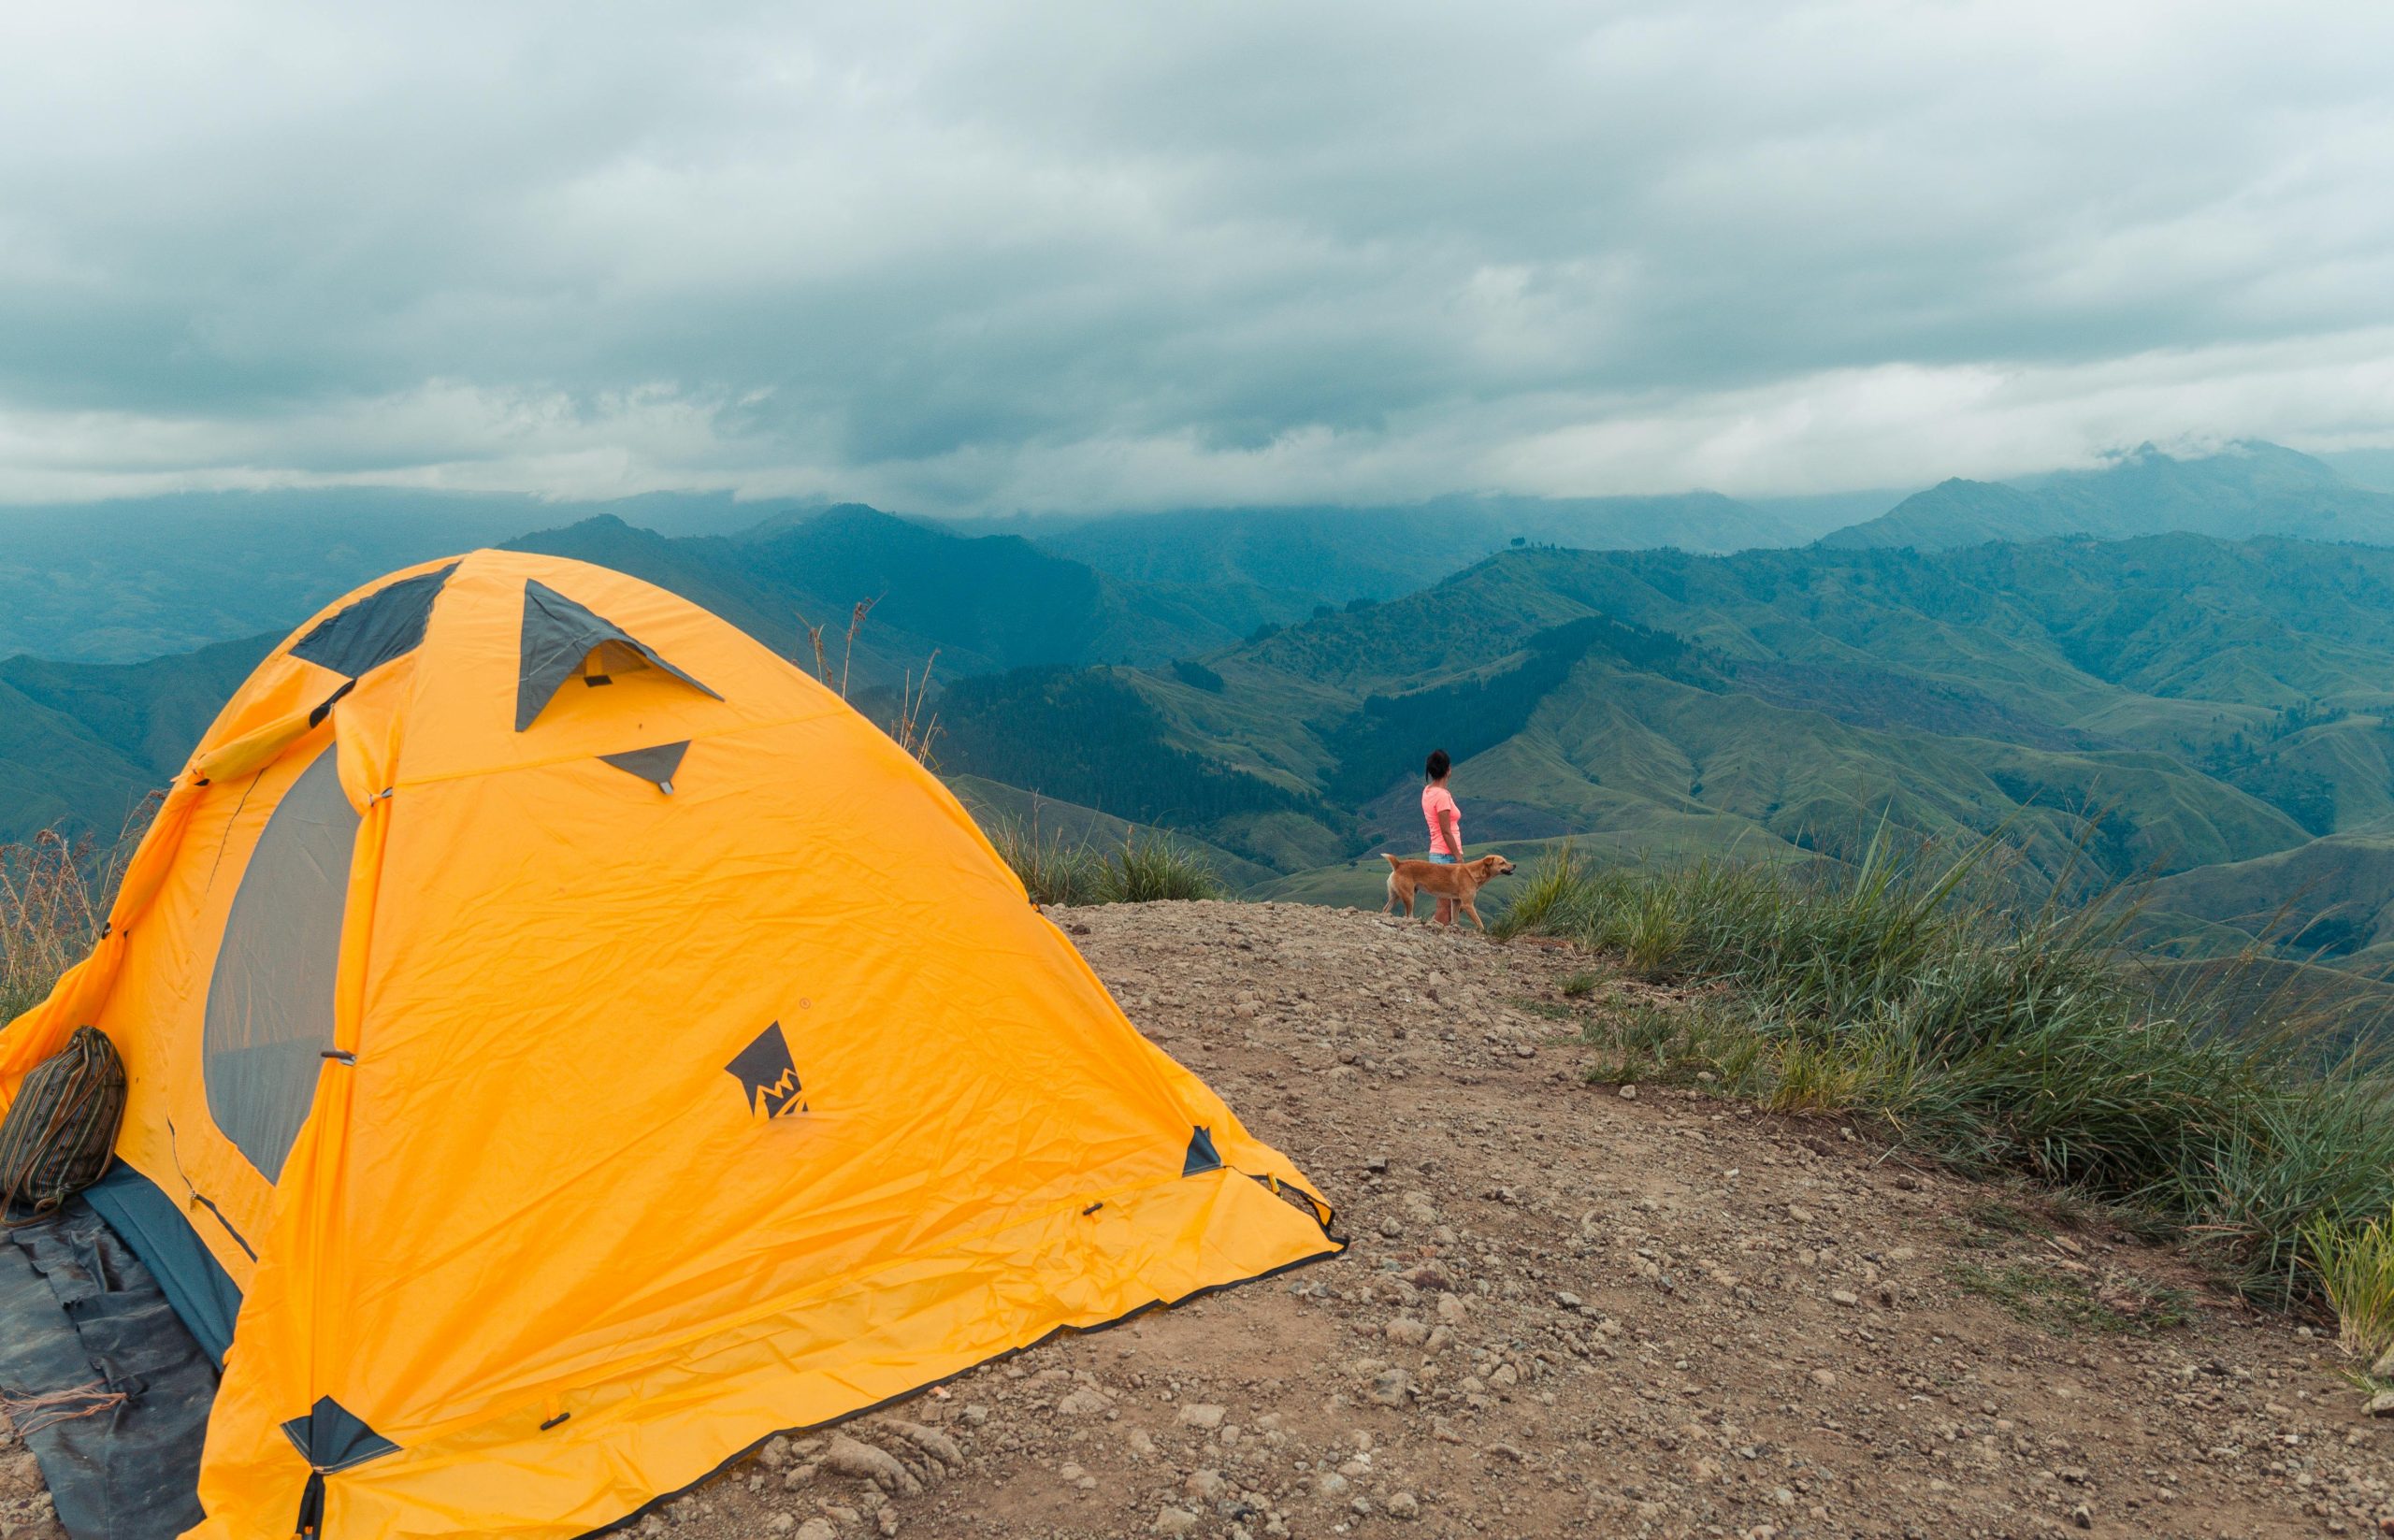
1445 819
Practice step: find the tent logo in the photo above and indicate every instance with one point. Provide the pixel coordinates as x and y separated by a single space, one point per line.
768 1074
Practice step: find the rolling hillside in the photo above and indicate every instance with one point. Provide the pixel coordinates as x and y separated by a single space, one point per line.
2168 705
81 743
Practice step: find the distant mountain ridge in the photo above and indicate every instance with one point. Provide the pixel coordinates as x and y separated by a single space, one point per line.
121 581
1343 554
2247 490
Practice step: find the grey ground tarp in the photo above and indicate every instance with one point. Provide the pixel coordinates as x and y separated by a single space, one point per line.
105 1385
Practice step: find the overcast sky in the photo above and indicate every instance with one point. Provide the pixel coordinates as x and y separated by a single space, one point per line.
1063 257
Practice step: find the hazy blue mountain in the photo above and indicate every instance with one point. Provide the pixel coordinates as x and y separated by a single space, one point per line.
1340 553
983 603
2247 490
2373 468
118 581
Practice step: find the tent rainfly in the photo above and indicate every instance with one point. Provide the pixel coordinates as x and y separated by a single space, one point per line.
568 1045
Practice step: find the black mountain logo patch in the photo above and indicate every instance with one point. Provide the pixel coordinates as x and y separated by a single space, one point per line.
768 1074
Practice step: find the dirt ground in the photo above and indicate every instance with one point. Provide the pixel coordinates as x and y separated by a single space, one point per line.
1576 1310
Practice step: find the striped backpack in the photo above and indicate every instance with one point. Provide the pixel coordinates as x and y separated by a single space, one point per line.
60 1134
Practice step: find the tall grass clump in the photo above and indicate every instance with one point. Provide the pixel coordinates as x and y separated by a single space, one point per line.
2008 1036
1143 868
1148 867
1054 870
2356 1267
54 896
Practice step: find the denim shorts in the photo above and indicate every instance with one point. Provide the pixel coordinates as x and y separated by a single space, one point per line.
1442 858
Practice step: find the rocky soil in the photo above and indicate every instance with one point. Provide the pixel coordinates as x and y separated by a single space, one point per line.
1586 1309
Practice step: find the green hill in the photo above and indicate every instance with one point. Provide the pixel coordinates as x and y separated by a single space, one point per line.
81 743
2172 704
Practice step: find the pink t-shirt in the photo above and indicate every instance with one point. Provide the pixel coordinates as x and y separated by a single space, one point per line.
1434 800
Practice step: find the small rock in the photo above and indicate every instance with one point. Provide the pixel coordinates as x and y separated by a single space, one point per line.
1629 1093
1198 1414
2384 1367
1845 1297
775 1454
848 1456
1390 1227
1331 1486
1389 1387
1824 1377
1174 1521
2082 1516
2381 1405
1403 1506
1406 1332
1206 1486
1083 1403
937 1445
1567 1299
817 1528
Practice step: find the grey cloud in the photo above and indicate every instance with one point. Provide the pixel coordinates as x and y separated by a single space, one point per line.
1067 255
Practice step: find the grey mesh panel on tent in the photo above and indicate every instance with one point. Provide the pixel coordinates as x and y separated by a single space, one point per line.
270 999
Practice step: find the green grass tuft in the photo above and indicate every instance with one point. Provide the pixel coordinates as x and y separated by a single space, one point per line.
1054 870
2064 1304
2356 1267
1151 867
1144 868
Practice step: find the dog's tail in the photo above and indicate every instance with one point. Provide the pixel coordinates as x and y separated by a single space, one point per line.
1389 858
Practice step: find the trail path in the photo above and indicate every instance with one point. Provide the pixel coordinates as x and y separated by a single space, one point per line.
1570 1312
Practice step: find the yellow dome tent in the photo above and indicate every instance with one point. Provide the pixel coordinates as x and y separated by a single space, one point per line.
568 1044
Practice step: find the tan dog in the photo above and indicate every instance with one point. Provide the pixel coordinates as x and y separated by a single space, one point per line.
1461 882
